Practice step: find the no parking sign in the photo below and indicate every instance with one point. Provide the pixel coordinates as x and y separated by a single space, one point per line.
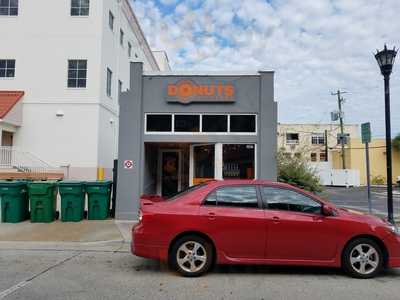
128 164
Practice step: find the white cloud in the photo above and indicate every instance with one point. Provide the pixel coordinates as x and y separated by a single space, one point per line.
315 47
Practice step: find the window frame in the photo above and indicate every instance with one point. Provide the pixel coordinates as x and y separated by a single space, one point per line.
77 69
7 60
80 7
200 132
317 137
265 200
260 204
9 8
292 142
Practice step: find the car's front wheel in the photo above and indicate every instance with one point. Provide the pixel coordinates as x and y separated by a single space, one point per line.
363 258
191 256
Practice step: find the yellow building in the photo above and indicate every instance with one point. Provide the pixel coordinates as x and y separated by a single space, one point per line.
355 159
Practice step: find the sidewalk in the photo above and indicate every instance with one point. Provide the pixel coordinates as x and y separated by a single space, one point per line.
84 234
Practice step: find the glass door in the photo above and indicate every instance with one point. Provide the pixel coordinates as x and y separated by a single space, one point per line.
202 163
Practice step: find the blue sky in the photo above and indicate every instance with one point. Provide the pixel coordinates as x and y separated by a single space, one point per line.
314 46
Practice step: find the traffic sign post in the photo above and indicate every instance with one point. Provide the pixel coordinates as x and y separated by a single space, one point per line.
366 139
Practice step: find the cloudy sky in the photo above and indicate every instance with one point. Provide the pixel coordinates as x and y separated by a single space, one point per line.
314 46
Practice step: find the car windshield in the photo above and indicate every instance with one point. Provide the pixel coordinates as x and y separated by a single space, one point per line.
186 191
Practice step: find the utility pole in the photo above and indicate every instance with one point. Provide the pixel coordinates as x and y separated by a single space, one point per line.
340 101
326 145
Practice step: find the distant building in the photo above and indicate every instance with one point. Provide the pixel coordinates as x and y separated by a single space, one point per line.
312 140
355 157
62 66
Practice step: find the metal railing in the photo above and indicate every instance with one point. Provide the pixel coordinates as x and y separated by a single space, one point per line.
14 159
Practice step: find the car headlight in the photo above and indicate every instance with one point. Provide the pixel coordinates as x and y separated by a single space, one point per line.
394 229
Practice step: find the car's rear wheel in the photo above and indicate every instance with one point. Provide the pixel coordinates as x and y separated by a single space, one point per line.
363 258
191 256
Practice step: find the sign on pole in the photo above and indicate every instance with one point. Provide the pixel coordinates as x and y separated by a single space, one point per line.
366 139
366 132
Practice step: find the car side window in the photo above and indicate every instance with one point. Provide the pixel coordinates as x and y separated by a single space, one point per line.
285 199
234 196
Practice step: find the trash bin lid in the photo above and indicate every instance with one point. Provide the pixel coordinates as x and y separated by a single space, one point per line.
5 183
99 182
71 182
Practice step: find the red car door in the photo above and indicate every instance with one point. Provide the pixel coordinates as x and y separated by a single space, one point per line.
297 230
235 220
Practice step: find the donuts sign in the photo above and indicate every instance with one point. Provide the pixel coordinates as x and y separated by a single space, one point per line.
188 91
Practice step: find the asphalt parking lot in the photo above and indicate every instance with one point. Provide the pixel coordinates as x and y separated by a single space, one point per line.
356 198
116 274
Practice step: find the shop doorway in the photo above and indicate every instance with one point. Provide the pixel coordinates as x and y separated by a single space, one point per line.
202 163
169 171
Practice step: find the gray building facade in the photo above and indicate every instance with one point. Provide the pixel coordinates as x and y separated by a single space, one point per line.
177 130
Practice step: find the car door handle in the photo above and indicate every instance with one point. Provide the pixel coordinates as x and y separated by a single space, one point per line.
275 220
211 216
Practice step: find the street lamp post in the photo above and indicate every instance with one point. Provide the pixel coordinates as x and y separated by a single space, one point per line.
385 59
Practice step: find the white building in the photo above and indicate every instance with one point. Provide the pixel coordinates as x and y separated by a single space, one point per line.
66 61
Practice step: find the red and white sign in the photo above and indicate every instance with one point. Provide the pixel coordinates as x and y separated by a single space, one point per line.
128 164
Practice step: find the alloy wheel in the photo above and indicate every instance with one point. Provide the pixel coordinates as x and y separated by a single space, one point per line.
191 256
364 259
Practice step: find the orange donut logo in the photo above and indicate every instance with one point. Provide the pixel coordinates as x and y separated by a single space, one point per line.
186 91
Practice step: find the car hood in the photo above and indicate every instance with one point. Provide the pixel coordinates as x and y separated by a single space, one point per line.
361 216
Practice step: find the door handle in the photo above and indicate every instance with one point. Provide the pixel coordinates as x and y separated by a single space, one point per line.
211 216
275 220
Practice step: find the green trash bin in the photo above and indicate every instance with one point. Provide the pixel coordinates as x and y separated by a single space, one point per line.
43 200
72 200
99 193
14 201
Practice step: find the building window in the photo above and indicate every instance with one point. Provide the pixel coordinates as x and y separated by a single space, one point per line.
238 161
7 68
318 139
121 37
292 138
109 82
215 123
77 73
159 123
345 137
129 49
187 123
79 7
8 7
322 156
313 156
111 20
243 123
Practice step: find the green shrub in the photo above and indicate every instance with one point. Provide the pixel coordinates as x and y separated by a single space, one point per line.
396 142
296 171
378 180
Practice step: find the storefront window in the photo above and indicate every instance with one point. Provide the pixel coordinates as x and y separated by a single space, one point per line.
203 162
159 123
238 161
187 123
215 123
243 123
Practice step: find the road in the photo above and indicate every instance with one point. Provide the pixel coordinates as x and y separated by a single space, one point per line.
116 274
356 198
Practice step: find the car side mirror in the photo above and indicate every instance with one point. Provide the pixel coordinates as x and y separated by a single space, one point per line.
328 211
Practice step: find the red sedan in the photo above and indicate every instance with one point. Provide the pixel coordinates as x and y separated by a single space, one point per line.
261 222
